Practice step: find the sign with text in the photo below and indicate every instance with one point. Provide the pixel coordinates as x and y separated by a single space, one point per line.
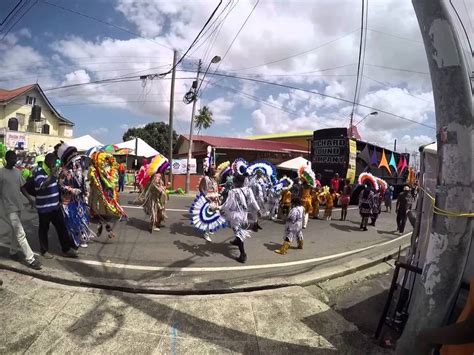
15 140
351 166
179 166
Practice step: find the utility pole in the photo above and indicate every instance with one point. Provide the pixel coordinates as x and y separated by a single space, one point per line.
191 129
450 237
136 153
170 124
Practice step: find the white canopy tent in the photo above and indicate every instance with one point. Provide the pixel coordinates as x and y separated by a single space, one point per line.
143 149
294 164
84 143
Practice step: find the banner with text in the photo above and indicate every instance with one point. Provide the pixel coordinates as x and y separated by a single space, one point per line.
179 166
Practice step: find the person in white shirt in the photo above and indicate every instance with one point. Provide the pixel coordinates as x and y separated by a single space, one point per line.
11 205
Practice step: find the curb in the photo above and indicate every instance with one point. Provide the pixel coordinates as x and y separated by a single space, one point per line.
329 273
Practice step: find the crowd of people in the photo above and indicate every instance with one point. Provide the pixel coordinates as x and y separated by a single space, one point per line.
235 194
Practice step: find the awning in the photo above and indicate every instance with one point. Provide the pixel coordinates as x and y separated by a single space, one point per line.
294 164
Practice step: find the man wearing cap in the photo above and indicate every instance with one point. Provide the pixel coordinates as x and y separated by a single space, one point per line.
11 205
47 205
404 202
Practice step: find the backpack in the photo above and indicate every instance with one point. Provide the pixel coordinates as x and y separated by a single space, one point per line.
29 186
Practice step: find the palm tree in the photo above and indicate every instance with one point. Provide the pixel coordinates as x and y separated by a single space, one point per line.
203 119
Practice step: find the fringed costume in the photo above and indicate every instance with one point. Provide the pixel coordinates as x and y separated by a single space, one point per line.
154 202
235 210
104 199
293 229
73 193
309 181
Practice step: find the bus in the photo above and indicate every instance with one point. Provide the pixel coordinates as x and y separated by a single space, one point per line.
332 151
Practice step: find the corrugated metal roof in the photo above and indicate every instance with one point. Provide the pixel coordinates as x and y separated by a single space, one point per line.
248 144
283 135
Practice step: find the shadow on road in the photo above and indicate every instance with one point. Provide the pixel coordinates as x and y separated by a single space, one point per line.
345 228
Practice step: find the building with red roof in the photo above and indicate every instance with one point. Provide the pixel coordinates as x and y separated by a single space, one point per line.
227 148
28 120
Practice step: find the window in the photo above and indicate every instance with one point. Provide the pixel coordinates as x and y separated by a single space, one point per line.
21 119
45 129
13 124
30 100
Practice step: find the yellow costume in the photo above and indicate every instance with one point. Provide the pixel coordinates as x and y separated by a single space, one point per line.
306 199
315 203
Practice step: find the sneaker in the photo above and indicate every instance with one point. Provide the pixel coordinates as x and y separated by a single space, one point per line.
242 258
15 257
156 229
35 264
71 253
207 237
47 255
84 245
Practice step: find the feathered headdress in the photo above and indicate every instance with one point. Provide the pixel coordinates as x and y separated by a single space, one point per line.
306 174
222 171
159 164
368 178
239 166
267 169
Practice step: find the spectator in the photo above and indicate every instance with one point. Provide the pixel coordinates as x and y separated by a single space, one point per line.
335 183
388 196
11 205
345 199
47 205
404 202
121 181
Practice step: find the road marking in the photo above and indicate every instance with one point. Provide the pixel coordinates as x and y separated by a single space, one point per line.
182 210
225 268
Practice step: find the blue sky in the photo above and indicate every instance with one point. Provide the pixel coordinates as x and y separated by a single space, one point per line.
55 48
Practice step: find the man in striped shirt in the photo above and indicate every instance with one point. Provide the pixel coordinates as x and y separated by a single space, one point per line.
47 204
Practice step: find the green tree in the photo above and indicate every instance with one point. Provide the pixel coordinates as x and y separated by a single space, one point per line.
203 119
156 134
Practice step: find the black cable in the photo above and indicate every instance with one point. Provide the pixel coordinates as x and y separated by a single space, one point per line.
397 69
19 19
300 53
462 25
395 36
364 50
103 22
14 16
360 57
231 44
388 86
11 12
194 42
320 94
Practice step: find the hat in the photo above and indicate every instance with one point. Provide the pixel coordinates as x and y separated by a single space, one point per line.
66 153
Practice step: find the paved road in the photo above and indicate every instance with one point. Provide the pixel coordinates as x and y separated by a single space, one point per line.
139 255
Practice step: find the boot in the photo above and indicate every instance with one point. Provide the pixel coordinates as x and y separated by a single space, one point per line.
300 244
255 227
283 249
242 258
258 226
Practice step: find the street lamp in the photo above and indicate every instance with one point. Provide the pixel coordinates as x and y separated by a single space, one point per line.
192 96
369 114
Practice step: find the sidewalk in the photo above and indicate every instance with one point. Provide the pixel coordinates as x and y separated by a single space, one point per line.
48 318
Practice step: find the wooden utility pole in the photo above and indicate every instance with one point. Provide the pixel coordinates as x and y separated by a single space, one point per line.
170 125
191 129
450 237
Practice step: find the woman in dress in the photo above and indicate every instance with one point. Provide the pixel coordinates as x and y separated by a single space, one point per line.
366 201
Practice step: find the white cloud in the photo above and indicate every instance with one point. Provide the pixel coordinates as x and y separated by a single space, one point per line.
221 109
77 77
101 131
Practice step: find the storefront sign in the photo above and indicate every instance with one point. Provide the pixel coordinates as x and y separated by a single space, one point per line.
351 167
179 166
15 140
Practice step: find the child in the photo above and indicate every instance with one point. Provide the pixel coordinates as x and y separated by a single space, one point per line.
315 192
294 227
345 199
330 198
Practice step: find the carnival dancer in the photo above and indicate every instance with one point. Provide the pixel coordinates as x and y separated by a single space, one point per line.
73 191
366 200
103 199
257 184
285 202
142 176
155 201
294 227
235 210
315 195
209 189
376 207
308 180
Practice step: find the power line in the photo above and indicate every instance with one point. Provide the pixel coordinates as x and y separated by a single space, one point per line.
321 94
395 36
397 69
19 19
360 58
462 25
111 102
388 86
231 43
298 54
11 12
103 22
364 51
